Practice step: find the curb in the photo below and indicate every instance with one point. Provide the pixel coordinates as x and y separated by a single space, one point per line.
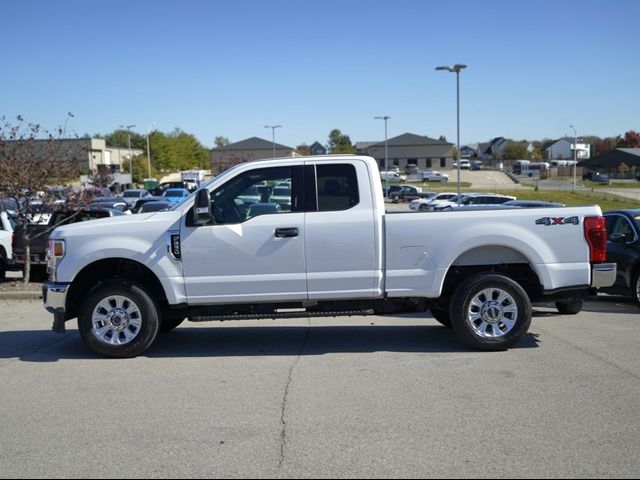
20 295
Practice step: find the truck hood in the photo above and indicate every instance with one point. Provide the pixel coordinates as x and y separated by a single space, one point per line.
125 224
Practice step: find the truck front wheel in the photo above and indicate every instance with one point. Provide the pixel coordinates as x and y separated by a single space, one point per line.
119 319
490 312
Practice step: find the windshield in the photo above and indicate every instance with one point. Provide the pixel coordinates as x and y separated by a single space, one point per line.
131 193
281 192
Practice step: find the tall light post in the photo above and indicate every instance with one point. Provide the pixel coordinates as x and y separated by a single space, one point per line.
575 154
386 149
129 127
148 149
273 136
457 68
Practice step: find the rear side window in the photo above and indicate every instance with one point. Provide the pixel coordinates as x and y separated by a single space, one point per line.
337 187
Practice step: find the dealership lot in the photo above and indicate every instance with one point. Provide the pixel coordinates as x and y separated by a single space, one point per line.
394 396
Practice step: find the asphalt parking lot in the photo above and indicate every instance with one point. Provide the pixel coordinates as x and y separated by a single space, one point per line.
393 396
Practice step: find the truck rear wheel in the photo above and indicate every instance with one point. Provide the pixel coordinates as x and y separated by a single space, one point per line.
490 312
441 316
119 319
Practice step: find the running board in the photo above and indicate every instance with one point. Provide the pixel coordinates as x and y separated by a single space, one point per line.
275 315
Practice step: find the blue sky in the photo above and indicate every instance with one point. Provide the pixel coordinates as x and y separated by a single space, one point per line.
229 68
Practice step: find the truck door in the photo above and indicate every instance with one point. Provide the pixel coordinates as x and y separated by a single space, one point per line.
340 232
254 251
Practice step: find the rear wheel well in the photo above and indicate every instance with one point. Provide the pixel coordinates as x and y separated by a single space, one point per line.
111 269
521 273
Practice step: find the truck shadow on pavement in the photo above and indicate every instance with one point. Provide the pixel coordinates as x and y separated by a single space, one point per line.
187 341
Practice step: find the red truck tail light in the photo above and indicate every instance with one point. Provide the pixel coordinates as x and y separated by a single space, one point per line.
14 242
595 231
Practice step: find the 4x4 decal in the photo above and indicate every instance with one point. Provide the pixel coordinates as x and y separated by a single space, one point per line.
550 221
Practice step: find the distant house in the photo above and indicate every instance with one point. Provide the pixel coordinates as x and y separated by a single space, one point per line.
361 147
253 148
317 148
492 150
468 151
562 149
610 162
408 151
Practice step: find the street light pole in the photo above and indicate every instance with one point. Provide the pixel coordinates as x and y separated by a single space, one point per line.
386 149
575 154
129 127
273 136
457 68
148 149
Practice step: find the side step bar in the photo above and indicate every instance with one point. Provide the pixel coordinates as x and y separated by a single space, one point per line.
275 315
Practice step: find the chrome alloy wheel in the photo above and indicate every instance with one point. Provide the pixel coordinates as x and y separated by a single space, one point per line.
116 320
492 313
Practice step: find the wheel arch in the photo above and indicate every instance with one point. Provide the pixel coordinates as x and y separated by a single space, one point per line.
111 269
499 259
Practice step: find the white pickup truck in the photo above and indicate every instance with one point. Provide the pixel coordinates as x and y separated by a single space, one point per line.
331 250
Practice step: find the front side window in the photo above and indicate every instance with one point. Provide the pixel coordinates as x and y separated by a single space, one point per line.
263 191
337 187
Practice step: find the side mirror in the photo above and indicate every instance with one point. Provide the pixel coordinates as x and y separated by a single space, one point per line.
202 208
620 238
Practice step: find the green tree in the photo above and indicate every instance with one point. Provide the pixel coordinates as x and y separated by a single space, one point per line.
220 141
515 150
120 139
339 143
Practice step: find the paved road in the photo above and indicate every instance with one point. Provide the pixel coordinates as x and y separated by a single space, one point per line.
363 396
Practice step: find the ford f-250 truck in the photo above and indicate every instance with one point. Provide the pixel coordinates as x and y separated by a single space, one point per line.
331 250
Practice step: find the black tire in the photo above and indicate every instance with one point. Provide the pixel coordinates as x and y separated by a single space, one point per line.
171 320
441 316
570 307
490 323
423 208
635 287
139 308
3 264
38 274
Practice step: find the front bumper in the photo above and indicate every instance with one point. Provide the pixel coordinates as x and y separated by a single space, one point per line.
54 297
603 275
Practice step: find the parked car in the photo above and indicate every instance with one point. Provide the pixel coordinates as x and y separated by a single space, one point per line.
597 177
407 193
7 226
155 206
392 177
137 207
623 248
532 203
433 176
422 204
477 165
483 199
464 165
38 235
176 195
601 178
115 203
130 196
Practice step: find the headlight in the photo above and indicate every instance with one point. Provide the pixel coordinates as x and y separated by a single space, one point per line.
55 253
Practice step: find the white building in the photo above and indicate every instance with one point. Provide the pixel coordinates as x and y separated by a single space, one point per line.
563 148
